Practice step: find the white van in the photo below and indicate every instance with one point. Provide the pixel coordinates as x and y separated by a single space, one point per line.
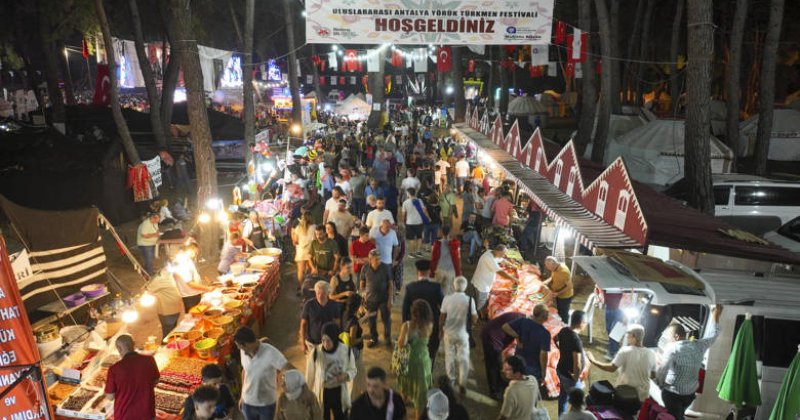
755 204
683 296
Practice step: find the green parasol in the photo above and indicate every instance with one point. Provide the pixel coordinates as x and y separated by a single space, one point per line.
739 382
787 406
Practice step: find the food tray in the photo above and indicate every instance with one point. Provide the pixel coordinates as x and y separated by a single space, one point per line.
169 402
74 405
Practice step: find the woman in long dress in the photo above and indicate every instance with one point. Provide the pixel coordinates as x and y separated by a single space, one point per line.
415 332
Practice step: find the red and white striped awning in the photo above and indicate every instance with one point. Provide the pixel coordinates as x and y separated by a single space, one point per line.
590 230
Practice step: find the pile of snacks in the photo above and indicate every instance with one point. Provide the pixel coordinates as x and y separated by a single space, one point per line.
77 400
182 375
169 402
60 391
99 378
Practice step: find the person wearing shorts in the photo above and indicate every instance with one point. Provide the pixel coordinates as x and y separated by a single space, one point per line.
411 214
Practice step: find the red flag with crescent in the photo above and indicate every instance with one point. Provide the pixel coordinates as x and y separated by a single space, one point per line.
561 32
350 60
444 59
397 58
102 87
569 69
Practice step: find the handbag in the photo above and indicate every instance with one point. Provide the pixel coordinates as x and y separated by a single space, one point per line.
400 356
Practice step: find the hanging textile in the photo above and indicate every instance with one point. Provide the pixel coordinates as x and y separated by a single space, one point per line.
139 180
561 32
421 60
444 59
397 58
373 61
333 61
576 46
350 60
539 55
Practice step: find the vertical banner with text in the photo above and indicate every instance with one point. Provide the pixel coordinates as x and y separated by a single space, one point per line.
19 356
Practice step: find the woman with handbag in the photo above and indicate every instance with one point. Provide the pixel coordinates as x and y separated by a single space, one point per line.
415 377
330 372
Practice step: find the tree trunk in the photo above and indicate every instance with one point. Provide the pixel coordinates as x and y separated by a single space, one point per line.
766 90
116 112
294 86
186 48
588 89
616 79
733 82
247 82
505 81
58 116
458 84
63 60
235 21
604 108
149 78
674 78
697 170
492 78
643 50
630 67
377 87
317 89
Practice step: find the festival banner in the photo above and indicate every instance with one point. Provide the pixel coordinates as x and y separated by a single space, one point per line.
20 374
485 22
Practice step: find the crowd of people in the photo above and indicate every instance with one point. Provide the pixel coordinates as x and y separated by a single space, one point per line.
355 221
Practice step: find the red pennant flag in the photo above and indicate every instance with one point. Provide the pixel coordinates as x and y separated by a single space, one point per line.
471 66
510 49
536 71
350 60
102 87
397 58
576 47
561 32
569 69
84 49
444 59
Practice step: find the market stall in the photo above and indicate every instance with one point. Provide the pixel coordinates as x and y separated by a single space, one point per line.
77 374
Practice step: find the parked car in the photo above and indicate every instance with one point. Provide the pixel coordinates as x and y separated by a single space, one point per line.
755 204
787 236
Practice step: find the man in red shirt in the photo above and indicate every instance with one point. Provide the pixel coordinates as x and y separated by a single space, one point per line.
131 383
360 248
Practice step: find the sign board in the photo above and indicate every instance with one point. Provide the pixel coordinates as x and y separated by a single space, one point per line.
154 167
262 136
18 352
21 265
486 22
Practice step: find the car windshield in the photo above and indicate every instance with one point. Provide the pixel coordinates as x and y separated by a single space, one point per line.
791 230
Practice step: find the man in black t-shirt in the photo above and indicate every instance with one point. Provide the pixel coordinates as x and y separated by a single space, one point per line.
379 402
316 313
570 363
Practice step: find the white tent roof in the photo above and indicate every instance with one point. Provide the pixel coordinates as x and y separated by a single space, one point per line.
654 152
618 125
353 107
526 105
784 142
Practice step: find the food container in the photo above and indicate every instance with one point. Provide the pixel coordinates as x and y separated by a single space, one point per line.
236 314
214 333
211 314
193 336
180 347
93 290
233 304
205 347
46 333
225 322
75 333
260 262
272 252
238 268
198 310
75 299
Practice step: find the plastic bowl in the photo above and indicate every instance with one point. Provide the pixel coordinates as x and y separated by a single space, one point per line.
205 347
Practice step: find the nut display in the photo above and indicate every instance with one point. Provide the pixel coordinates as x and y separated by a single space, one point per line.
77 400
169 402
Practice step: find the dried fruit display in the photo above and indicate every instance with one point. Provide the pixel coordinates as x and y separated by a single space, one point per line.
169 402
185 365
99 378
61 391
77 400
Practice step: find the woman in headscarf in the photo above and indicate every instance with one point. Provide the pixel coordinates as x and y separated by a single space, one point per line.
296 402
330 372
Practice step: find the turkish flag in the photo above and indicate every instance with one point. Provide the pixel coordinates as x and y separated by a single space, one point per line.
569 69
576 46
444 59
350 60
471 66
536 71
561 32
397 58
102 87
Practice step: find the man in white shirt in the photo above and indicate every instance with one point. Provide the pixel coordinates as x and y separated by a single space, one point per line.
261 363
333 203
342 218
636 364
457 308
375 217
485 271
411 214
146 239
410 181
462 173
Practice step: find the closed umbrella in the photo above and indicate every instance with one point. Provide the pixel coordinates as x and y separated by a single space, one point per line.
739 382
787 406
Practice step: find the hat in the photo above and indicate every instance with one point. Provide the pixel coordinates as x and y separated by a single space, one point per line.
423 265
438 405
294 381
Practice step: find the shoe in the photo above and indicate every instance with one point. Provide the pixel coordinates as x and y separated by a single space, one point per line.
372 343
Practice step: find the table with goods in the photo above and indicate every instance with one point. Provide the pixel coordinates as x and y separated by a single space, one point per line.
203 335
522 296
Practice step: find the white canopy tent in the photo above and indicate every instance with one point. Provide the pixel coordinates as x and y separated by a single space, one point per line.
654 152
618 125
354 108
526 105
784 143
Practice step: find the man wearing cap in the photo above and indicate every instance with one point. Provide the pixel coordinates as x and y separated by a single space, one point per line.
430 292
375 282
438 406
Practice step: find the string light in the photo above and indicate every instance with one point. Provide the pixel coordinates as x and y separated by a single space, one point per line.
129 315
147 300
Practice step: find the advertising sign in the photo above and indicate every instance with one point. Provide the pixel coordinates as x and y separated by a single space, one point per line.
19 355
487 22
